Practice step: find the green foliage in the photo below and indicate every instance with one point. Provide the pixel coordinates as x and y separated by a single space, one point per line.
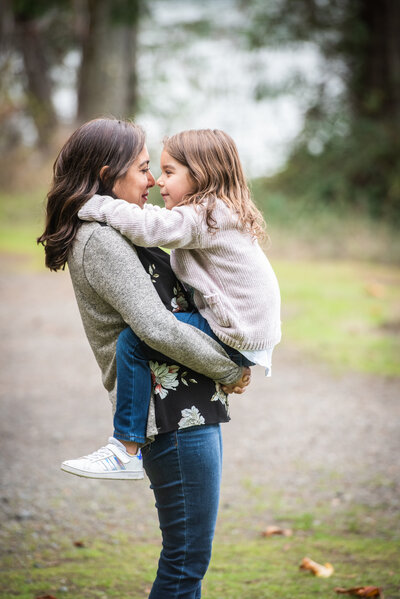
124 12
27 10
360 169
349 149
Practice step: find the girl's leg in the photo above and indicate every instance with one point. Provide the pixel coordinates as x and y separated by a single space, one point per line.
184 468
134 380
133 388
197 320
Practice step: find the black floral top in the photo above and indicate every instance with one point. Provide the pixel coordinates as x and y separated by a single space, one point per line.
182 397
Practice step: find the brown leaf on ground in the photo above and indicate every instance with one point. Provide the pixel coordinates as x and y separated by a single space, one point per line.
79 544
375 289
277 530
369 591
46 597
323 571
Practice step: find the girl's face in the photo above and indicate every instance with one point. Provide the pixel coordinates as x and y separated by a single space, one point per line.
174 181
133 187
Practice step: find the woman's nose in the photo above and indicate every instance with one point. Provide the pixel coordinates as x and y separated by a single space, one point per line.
150 179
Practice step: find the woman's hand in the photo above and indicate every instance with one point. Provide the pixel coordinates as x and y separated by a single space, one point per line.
240 385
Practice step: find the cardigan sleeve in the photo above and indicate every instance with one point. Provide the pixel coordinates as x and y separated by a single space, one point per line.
149 227
113 270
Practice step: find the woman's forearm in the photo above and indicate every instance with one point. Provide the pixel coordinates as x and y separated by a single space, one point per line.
113 269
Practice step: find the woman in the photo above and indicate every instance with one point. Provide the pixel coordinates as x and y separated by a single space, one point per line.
117 285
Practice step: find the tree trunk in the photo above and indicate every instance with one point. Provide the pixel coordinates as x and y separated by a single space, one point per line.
107 78
378 87
38 83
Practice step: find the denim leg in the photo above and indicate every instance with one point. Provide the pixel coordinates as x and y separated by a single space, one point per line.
133 388
197 320
184 468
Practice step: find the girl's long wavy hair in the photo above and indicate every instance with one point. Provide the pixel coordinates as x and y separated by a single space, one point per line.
213 161
76 178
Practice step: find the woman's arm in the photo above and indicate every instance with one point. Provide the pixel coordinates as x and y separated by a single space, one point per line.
150 227
115 272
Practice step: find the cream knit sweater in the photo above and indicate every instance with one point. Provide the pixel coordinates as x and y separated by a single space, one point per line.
235 287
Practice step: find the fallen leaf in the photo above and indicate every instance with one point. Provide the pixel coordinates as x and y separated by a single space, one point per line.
79 544
323 571
362 591
375 289
276 530
46 597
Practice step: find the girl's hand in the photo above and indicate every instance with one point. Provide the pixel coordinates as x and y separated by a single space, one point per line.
240 385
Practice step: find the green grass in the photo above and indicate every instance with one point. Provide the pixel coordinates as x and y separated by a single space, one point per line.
21 222
254 568
345 313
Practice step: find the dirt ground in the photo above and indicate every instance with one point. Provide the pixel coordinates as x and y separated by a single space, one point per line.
306 437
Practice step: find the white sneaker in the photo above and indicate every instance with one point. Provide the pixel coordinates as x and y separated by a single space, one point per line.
110 462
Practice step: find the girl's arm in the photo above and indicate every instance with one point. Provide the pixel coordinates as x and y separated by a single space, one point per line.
115 272
150 227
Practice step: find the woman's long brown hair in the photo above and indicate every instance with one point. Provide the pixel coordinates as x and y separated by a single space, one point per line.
76 178
213 161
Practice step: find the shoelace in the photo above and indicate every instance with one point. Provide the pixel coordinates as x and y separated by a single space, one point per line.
103 452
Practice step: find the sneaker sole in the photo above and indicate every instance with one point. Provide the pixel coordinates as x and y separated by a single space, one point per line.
120 475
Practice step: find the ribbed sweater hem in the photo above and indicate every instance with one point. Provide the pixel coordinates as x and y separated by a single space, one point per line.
246 345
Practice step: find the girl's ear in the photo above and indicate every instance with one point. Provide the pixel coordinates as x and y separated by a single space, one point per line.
102 172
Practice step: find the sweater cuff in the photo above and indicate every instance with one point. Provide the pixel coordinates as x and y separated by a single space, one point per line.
234 375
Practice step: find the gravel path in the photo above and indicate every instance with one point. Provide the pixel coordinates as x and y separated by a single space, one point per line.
305 435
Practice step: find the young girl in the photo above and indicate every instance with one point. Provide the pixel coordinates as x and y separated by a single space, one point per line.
212 226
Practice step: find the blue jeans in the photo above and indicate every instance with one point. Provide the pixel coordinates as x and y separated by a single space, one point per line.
134 378
184 468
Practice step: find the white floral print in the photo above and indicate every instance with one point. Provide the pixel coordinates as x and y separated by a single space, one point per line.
152 272
164 378
184 381
190 417
220 395
179 302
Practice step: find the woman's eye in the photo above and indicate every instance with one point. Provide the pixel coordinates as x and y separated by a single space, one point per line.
145 170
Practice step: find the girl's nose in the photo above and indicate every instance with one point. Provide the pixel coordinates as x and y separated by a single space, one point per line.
159 181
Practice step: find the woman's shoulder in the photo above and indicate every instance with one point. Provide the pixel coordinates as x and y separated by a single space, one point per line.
100 234
94 241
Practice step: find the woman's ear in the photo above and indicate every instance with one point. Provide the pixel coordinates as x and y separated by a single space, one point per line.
102 172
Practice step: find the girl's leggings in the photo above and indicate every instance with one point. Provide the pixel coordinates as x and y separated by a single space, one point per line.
134 377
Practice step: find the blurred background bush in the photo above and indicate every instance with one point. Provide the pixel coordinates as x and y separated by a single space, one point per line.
309 89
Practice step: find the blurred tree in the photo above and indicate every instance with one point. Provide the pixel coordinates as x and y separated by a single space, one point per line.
349 149
27 38
108 78
36 38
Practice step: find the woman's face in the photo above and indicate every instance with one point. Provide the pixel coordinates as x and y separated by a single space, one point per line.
133 187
